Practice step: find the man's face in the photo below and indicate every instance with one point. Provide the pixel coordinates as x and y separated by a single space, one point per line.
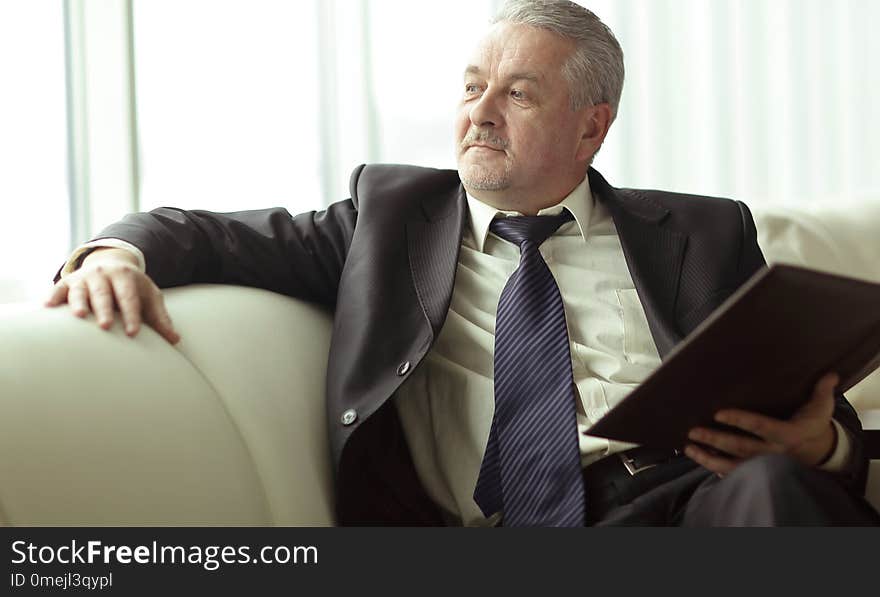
519 142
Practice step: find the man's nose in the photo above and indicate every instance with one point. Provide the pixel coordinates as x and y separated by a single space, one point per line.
486 112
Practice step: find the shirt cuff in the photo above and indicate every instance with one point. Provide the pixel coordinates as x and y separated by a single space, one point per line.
82 251
842 452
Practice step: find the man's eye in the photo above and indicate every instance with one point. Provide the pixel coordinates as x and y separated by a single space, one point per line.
517 94
471 89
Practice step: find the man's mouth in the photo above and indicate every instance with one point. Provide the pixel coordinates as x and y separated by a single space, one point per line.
482 146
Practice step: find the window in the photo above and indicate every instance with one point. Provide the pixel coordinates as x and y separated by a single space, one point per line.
245 105
227 104
34 229
109 106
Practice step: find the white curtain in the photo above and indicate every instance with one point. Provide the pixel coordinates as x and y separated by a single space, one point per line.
768 101
34 213
249 103
239 104
244 103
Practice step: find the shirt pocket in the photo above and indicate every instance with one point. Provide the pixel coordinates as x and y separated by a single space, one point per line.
638 343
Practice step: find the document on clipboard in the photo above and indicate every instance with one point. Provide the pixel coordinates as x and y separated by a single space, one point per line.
762 350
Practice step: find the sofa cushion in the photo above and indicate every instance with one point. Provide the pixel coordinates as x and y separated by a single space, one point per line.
838 238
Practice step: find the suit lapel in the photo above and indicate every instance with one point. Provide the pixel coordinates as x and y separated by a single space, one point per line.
653 253
434 241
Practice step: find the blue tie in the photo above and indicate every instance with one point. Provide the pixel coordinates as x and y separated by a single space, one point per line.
531 470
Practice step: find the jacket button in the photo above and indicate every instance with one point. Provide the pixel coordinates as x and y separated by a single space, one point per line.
403 369
349 416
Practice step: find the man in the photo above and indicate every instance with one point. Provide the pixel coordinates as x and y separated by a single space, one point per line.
485 318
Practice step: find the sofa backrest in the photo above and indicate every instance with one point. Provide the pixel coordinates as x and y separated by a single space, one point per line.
842 238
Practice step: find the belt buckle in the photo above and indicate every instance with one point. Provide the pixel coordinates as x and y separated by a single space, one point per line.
630 465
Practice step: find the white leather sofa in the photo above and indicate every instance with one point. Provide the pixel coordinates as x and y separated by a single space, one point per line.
228 428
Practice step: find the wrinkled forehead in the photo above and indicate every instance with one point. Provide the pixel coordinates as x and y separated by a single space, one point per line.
508 47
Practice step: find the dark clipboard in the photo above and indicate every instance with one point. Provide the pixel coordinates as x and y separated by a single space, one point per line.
762 350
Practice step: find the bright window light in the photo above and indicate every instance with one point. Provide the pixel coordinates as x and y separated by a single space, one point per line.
34 233
227 104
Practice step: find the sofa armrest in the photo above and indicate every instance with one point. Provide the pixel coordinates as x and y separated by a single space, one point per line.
226 428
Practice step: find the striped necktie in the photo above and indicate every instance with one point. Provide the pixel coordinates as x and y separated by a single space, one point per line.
531 470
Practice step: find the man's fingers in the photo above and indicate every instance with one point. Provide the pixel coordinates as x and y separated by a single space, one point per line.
157 316
102 289
827 384
740 446
78 298
767 428
821 403
130 303
717 464
101 299
58 295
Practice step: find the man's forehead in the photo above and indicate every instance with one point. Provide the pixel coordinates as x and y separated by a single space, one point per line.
508 49
506 72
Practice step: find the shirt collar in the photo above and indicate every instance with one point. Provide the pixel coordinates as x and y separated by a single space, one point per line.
579 202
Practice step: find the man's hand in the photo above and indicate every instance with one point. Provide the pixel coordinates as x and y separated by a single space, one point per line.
809 436
109 278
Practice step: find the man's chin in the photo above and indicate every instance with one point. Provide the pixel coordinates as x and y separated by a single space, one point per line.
477 178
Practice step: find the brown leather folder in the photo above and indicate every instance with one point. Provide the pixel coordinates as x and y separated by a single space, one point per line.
762 350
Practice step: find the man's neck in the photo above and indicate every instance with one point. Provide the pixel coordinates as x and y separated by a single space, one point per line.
526 201
504 201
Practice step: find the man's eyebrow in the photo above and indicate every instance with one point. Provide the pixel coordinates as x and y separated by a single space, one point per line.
533 77
523 76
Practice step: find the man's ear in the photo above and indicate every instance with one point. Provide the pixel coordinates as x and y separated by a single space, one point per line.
596 122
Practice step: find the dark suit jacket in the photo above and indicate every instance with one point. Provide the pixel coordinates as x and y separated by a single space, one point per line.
385 262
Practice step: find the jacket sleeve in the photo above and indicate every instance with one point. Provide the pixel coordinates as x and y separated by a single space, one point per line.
300 256
855 474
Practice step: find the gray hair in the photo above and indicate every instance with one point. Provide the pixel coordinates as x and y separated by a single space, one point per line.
595 70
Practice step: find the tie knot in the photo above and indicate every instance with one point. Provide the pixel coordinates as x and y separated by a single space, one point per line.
536 229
